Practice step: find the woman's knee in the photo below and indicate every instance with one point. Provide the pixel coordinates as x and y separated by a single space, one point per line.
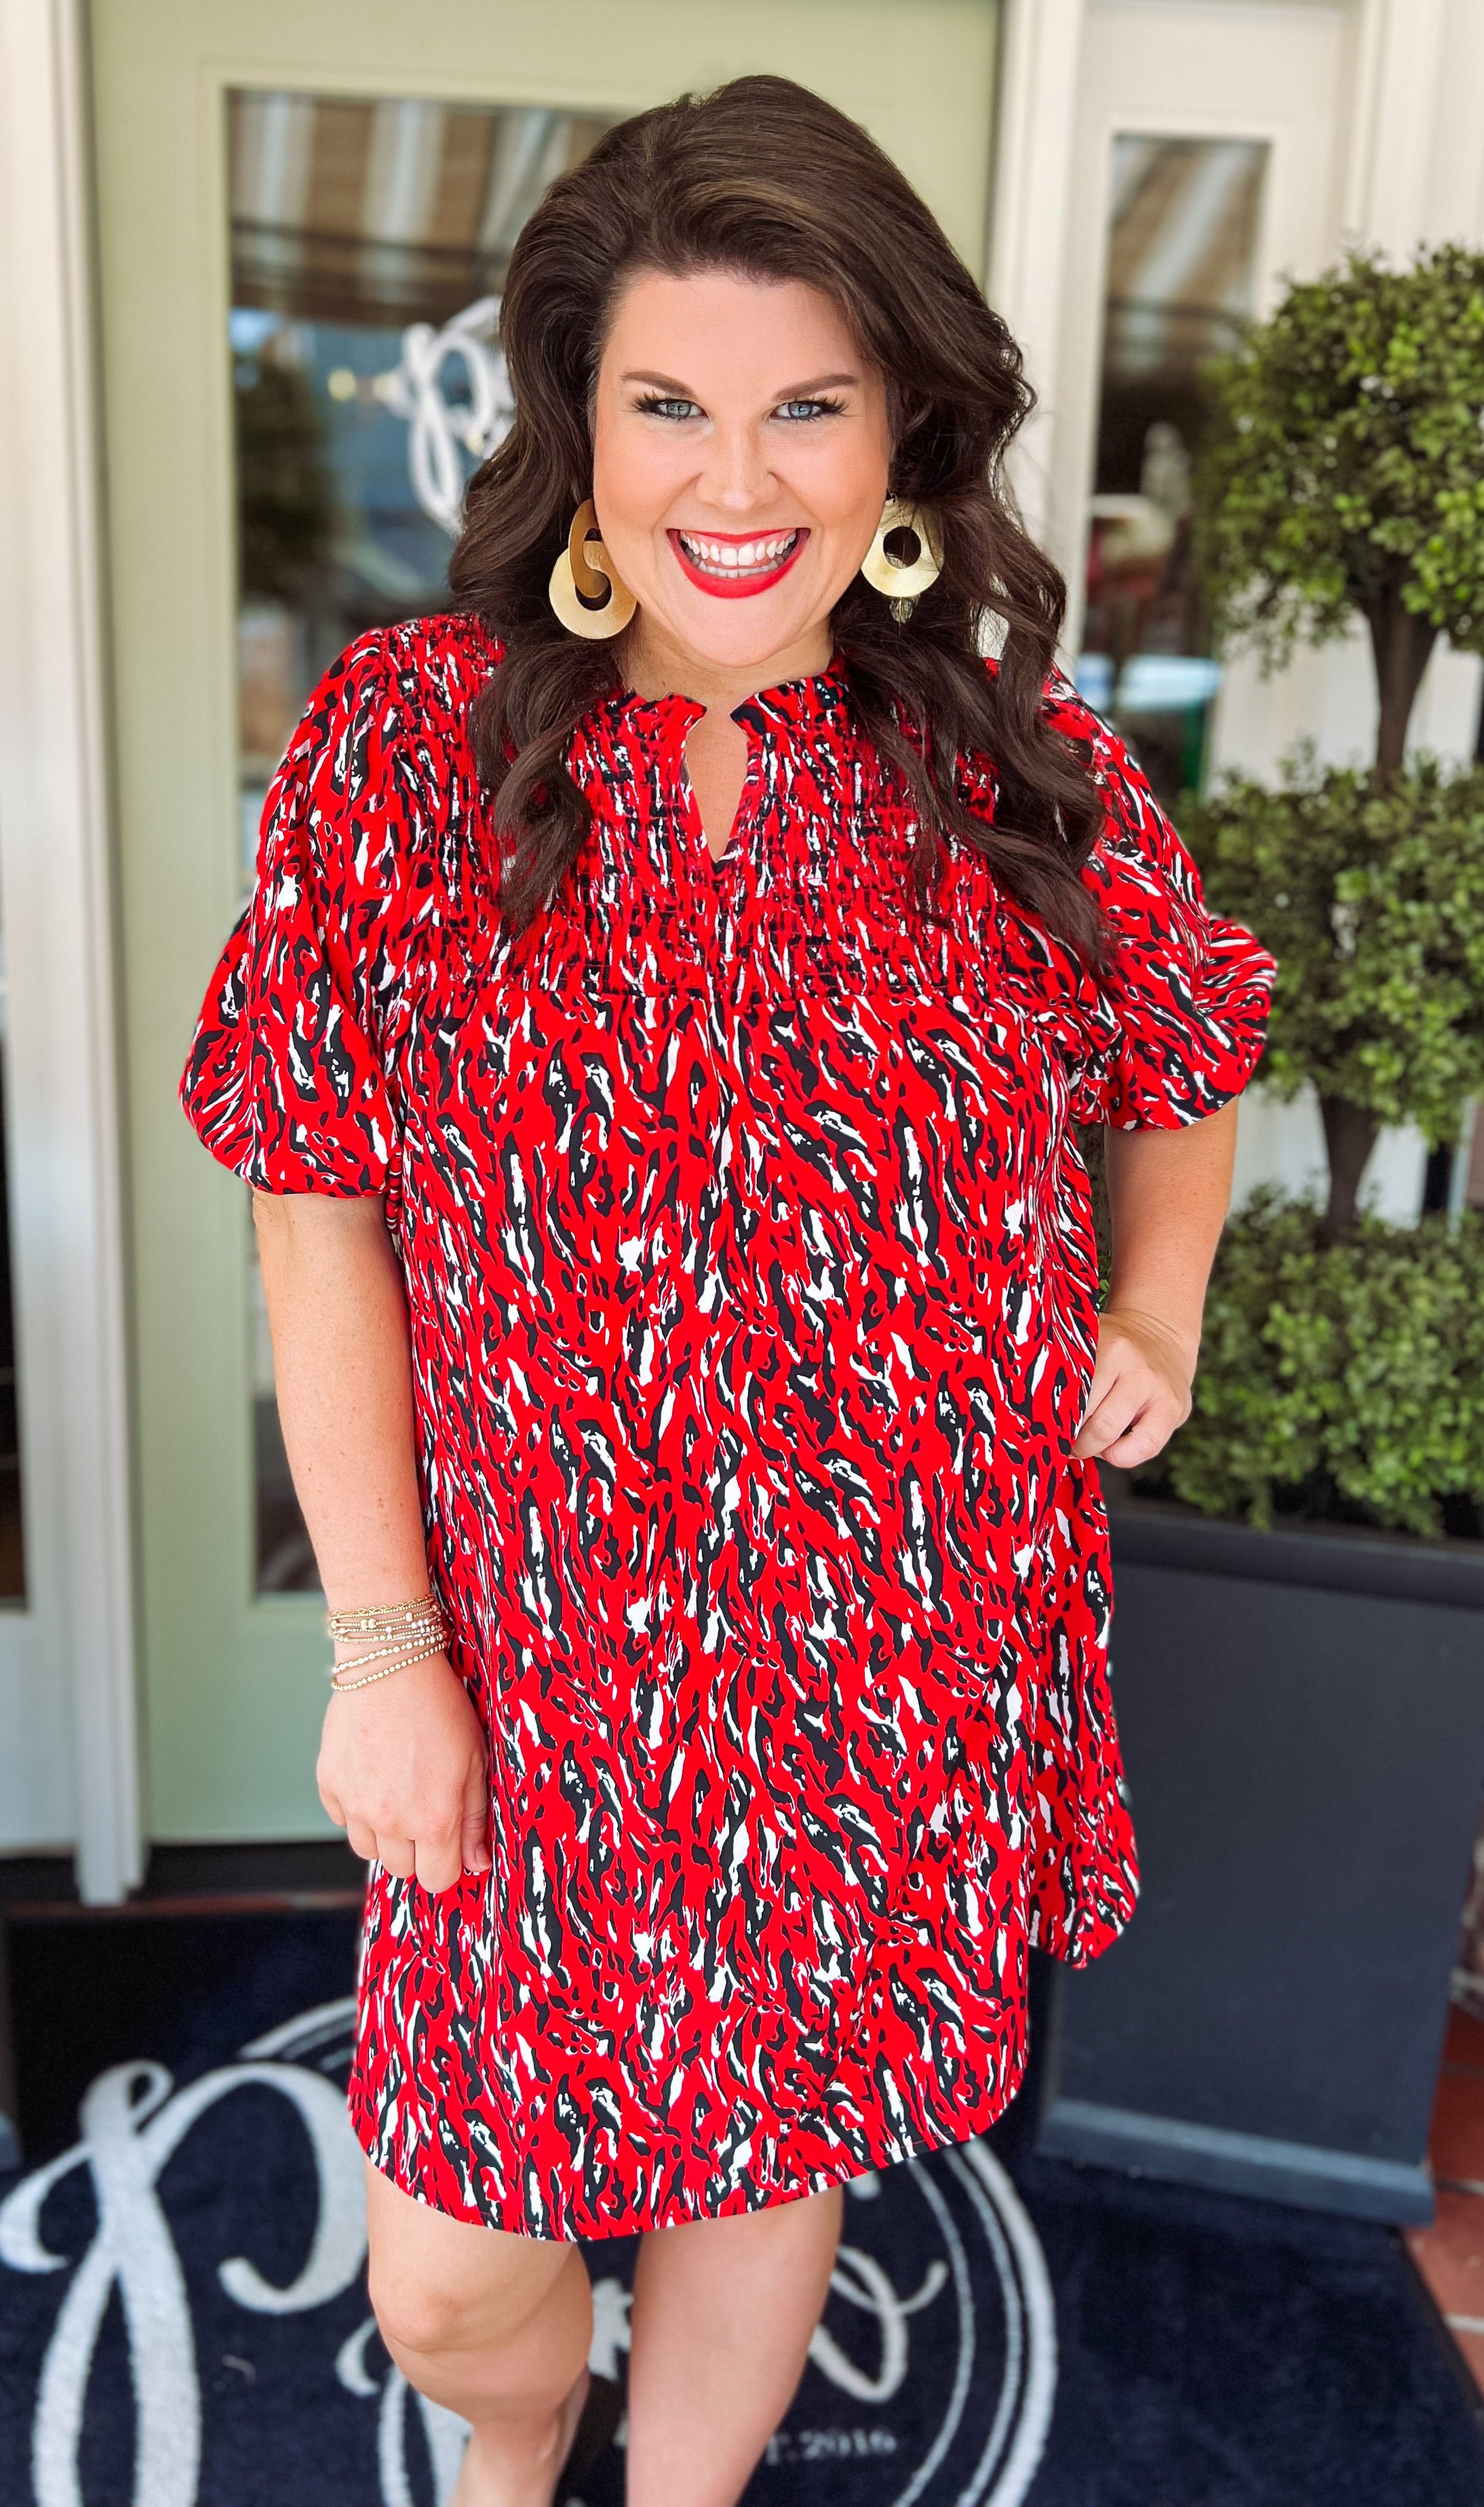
442 2284
418 2307
420 2315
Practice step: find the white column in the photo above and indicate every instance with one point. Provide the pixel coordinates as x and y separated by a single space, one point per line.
1400 67
1415 158
55 904
1032 182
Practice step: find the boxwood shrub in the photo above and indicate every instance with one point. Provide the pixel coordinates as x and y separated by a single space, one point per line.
1338 1381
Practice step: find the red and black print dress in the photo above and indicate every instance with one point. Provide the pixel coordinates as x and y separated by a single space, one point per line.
751 1281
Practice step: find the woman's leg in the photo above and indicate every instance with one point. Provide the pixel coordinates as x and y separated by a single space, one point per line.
723 2312
493 2327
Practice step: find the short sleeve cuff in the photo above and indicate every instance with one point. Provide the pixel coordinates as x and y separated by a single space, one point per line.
1189 1044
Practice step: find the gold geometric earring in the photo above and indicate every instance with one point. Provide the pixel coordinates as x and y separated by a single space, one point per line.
585 568
902 577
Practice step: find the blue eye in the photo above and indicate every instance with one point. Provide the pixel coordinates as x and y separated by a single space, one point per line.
657 405
800 412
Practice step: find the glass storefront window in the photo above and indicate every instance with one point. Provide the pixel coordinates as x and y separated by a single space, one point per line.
369 245
1182 236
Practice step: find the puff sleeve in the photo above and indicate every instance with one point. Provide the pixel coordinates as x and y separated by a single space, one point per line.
1176 1025
287 1081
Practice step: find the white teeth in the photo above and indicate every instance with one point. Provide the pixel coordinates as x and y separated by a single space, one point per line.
730 557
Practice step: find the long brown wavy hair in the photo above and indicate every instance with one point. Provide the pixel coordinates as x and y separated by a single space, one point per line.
766 179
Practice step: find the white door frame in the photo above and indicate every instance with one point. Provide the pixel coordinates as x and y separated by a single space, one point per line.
1037 113
70 1755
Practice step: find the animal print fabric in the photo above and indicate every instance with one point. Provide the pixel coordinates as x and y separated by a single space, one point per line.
751 1280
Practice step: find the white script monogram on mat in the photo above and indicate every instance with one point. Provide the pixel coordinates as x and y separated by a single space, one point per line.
982 2435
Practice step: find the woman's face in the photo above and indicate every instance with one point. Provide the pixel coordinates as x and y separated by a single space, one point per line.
739 460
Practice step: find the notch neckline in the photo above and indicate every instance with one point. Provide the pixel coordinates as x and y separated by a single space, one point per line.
815 696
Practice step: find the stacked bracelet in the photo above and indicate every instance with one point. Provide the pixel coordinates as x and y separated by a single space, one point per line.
389 1639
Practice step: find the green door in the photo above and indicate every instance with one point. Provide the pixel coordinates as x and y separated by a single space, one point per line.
286 190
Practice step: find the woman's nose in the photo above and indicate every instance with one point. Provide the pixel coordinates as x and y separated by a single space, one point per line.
736 478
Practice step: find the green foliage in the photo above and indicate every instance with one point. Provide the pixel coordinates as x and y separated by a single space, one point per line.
1340 1380
1372 901
1343 1358
1346 460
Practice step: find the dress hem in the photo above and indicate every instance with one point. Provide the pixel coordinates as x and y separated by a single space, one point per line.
737 2204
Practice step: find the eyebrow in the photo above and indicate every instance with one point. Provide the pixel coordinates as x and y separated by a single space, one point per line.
792 391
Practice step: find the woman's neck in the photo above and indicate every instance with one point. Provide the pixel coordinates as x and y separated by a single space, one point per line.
655 665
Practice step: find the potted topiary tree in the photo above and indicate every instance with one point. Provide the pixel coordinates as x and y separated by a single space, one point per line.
1343 1372
1345 478
1300 1644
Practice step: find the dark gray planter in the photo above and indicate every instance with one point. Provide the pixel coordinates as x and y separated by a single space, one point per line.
1302 1716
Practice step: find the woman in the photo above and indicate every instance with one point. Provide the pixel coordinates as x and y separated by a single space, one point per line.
653 1042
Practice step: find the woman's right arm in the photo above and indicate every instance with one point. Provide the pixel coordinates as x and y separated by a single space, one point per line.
403 1763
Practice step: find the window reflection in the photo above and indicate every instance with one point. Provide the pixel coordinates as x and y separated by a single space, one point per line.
370 241
1182 247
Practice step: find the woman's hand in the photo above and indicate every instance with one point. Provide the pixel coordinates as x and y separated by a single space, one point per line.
402 1763
1140 1388
1167 1193
403 1767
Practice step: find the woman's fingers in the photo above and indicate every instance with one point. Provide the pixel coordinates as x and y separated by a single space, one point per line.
1104 1377
1139 1441
1113 1407
1134 1402
1130 1425
1103 1427
438 1862
407 1770
1135 1418
474 1825
438 1859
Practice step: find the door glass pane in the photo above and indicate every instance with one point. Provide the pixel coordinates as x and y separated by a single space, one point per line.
369 245
1182 247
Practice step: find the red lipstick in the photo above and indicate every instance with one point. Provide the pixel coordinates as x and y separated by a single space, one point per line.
737 585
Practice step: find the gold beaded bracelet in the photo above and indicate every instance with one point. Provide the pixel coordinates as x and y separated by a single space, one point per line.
385 1620
425 1654
390 1638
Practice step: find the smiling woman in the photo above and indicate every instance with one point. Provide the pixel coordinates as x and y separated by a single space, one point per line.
706 1443
890 358
757 430
723 398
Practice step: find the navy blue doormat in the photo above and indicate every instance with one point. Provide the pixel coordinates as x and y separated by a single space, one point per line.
183 2320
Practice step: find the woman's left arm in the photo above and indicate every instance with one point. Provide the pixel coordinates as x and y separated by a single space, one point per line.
1168 1194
